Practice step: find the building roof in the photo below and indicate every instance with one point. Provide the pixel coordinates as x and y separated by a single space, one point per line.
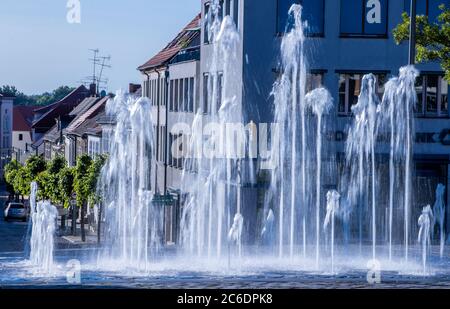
45 116
23 118
182 40
86 120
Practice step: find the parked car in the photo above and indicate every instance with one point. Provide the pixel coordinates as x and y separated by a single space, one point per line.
15 210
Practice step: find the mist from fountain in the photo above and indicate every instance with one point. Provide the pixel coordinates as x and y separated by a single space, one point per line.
133 223
212 165
332 208
360 152
439 216
396 117
424 237
43 219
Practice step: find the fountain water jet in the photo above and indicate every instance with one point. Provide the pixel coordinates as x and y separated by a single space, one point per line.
424 237
439 214
360 148
320 101
332 208
43 217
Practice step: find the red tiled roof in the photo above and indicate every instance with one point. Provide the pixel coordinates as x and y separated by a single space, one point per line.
22 118
181 40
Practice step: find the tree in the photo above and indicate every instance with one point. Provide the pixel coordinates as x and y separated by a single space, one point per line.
38 99
81 189
11 170
433 39
65 184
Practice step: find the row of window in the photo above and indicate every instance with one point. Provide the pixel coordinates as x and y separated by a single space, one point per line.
432 93
212 92
357 17
182 94
154 89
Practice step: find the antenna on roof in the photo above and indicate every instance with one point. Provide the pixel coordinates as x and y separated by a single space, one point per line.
100 62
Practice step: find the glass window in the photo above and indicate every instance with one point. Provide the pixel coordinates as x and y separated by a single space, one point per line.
313 13
20 137
205 93
427 7
444 96
350 89
219 90
191 94
181 96
206 21
419 90
176 92
364 17
342 93
186 95
431 98
171 95
313 81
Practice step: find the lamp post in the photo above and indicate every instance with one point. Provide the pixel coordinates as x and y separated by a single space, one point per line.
412 33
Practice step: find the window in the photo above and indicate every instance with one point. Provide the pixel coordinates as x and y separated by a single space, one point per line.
181 96
205 93
350 88
171 89
186 95
313 13
364 18
219 80
20 137
191 95
427 7
313 81
176 97
206 23
432 95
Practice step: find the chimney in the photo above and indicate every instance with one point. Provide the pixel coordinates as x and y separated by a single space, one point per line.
93 90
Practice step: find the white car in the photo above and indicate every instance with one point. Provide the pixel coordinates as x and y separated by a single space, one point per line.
16 210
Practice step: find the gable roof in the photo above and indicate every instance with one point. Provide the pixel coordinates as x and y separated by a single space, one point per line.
45 116
182 40
83 121
22 118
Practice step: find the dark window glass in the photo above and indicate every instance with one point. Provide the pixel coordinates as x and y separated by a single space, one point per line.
432 86
205 93
191 94
171 95
176 95
219 90
342 87
364 17
20 137
181 96
444 96
419 91
206 24
186 95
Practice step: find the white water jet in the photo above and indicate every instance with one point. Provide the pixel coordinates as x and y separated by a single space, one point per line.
43 218
267 230
235 233
439 215
360 149
320 101
424 237
332 209
212 172
397 117
287 191
133 223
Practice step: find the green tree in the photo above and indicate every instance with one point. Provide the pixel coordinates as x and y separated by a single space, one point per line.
433 39
65 184
11 171
43 99
81 188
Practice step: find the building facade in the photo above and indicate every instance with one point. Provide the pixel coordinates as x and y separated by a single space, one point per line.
345 40
6 129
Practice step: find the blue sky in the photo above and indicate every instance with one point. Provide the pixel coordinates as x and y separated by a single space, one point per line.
40 50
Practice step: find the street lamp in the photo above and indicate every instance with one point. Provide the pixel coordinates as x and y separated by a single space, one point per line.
412 33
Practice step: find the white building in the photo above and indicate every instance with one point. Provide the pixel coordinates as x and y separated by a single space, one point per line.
22 133
6 110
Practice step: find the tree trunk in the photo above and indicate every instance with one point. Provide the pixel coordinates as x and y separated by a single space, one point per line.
63 222
83 232
74 220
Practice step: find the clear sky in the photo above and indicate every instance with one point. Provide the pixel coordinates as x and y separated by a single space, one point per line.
40 50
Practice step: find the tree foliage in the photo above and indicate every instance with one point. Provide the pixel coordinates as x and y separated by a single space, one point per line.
433 39
38 99
56 181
